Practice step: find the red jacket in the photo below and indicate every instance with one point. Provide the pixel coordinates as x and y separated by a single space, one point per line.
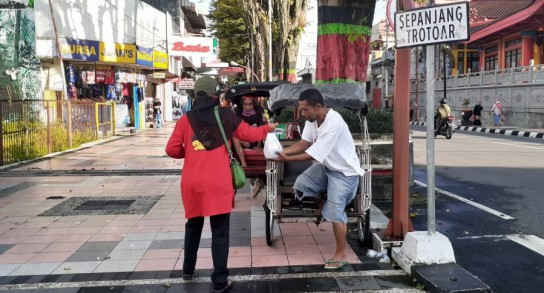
206 184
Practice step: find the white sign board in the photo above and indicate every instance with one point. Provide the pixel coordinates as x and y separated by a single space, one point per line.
432 25
192 48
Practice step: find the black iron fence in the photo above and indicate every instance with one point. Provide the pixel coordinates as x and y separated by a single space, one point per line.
35 128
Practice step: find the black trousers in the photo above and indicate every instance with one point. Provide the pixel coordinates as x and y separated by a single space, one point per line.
220 225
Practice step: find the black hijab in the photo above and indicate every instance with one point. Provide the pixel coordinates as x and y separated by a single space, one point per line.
204 124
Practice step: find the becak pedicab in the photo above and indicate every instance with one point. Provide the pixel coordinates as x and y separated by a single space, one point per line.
280 203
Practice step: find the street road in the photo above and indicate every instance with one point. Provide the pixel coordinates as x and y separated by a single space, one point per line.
489 204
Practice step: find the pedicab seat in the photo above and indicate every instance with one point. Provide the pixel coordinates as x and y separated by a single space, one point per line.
256 163
291 170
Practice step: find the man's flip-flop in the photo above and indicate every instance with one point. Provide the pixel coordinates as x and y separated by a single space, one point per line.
332 264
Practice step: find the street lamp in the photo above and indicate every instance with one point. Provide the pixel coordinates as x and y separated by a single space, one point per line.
232 63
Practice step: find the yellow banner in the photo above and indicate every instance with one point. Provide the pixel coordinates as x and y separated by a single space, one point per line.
160 60
120 53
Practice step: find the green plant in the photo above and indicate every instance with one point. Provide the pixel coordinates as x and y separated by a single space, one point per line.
33 142
353 122
466 102
380 122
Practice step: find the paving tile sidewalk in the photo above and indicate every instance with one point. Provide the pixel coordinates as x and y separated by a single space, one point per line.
111 244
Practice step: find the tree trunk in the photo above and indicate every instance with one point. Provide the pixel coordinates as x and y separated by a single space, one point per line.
344 28
257 26
291 19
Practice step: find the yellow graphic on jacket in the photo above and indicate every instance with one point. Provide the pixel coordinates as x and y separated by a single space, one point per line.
198 146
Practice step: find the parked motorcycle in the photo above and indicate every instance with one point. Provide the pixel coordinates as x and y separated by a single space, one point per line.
446 128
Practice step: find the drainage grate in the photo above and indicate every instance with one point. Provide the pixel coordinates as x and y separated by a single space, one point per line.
98 205
89 206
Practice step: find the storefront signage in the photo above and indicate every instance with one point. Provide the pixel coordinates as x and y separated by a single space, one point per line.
432 25
192 48
160 60
120 53
144 56
79 49
159 74
186 84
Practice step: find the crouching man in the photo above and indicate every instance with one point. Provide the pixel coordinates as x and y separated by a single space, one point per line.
326 139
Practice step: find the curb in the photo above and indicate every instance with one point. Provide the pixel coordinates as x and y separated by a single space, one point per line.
510 132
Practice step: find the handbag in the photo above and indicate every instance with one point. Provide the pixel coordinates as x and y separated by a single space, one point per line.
238 174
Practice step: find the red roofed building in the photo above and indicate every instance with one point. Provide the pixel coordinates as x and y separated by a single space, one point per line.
504 34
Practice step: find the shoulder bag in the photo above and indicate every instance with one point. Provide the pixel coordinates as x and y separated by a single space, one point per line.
238 174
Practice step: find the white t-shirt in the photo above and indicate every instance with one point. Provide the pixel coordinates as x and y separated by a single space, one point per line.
332 144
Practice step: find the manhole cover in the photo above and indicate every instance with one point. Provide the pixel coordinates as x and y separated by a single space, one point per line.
112 205
105 205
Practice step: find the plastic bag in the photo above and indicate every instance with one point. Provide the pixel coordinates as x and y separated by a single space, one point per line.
272 146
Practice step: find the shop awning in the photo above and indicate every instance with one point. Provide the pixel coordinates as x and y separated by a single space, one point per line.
187 64
231 71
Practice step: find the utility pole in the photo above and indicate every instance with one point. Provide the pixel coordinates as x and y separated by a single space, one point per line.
386 57
269 41
400 222
416 108
63 75
59 51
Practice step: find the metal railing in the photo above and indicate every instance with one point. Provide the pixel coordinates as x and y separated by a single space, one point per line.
35 128
507 76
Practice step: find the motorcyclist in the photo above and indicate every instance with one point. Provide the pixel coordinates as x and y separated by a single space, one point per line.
443 112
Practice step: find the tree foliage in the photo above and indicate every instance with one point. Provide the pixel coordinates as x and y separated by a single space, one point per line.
242 27
229 26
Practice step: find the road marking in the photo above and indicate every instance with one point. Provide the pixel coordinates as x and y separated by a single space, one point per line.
482 236
532 242
169 281
518 145
470 202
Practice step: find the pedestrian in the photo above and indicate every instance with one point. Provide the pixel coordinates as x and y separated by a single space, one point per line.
206 187
157 113
252 115
477 112
327 140
497 112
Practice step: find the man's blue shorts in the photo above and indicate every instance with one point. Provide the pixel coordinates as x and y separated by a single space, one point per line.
340 190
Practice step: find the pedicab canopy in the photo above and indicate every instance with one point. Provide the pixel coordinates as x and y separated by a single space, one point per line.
347 95
254 89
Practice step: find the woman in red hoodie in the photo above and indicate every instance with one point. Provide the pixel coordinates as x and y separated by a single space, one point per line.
206 185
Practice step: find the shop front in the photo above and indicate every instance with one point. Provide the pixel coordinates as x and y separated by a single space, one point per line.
118 73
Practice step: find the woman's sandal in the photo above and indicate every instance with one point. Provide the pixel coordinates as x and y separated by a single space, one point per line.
227 287
332 264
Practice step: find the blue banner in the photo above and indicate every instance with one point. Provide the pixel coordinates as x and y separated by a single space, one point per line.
144 56
79 49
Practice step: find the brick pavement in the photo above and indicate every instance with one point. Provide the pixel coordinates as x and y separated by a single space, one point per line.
75 240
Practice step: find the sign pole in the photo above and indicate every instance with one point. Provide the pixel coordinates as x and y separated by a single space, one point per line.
438 24
431 227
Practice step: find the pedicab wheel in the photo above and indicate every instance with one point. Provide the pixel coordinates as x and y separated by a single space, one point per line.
363 229
448 133
269 221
